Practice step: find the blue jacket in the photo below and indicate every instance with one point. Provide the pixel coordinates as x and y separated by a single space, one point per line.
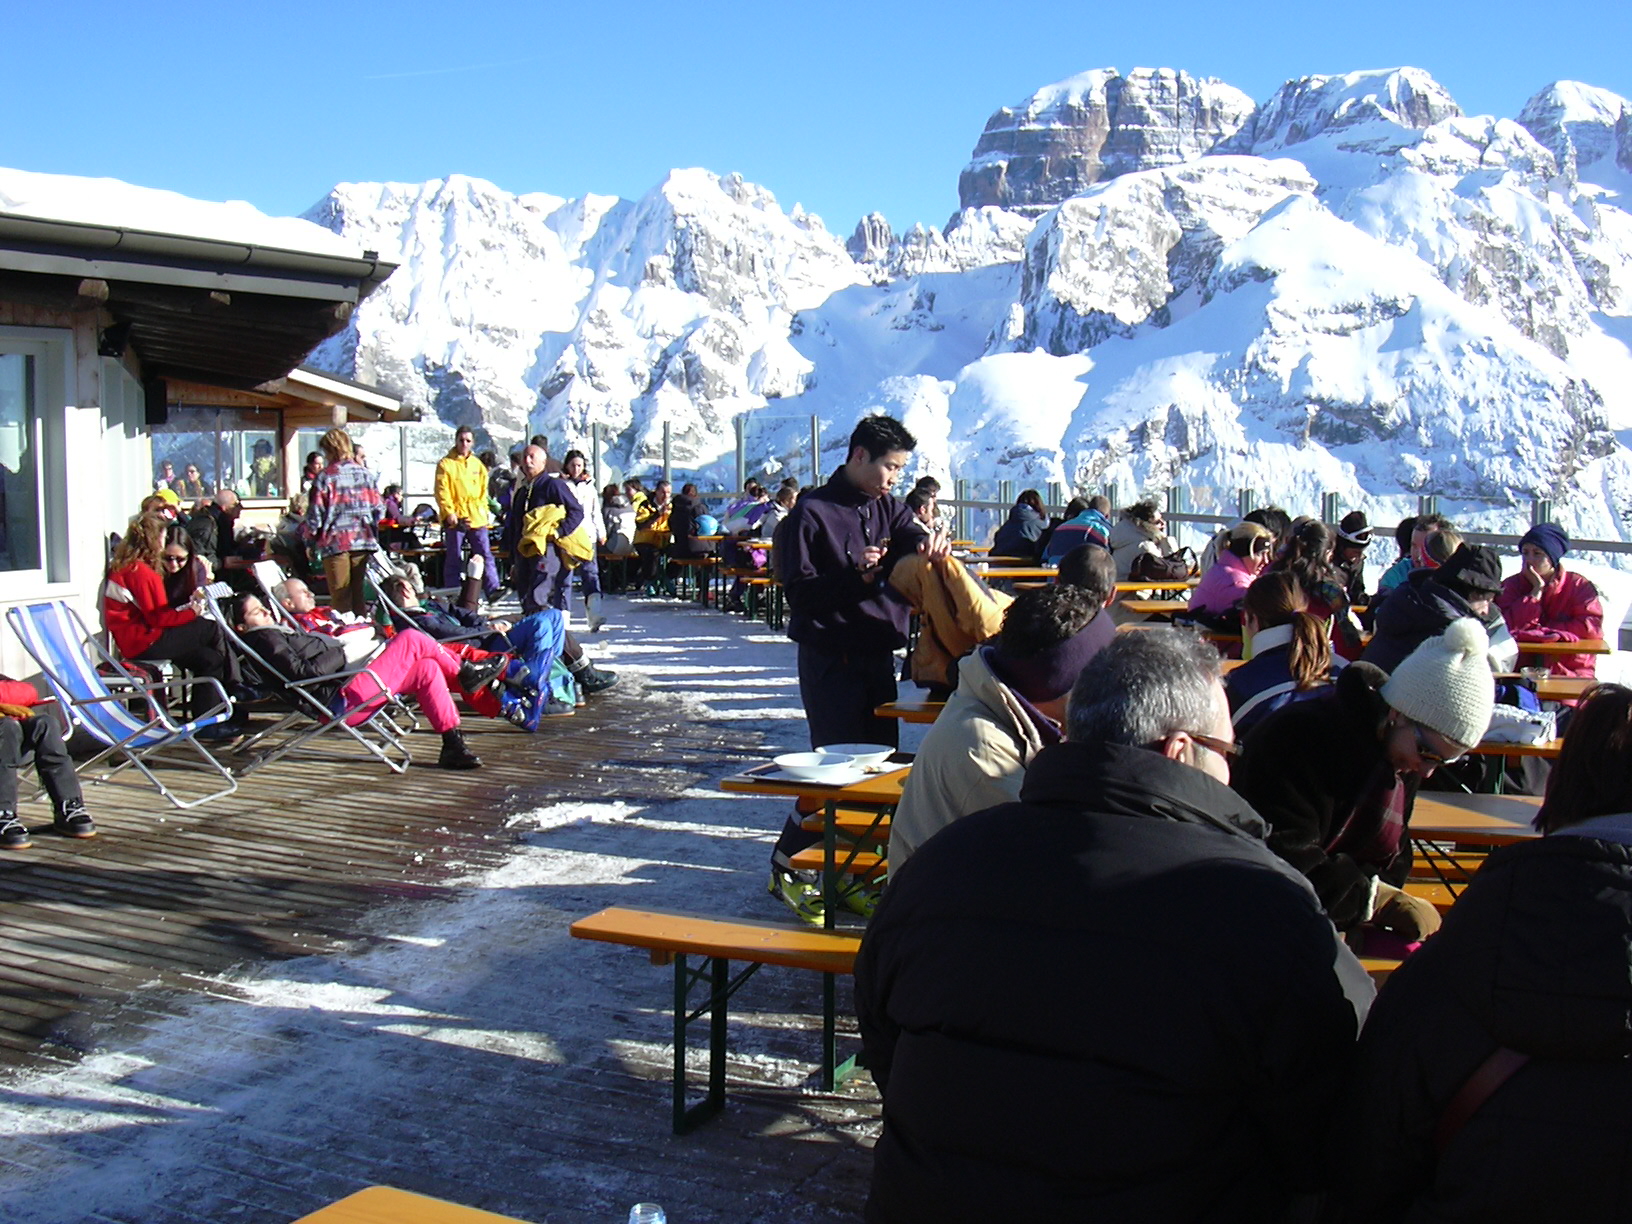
1089 527
831 603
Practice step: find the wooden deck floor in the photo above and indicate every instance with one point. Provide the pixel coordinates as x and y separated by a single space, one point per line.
283 867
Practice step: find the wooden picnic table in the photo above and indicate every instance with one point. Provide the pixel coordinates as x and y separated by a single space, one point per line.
1564 688
1474 820
1592 646
999 573
1172 584
388 1205
1154 607
911 711
1547 748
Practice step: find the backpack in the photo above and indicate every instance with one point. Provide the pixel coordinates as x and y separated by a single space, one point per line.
1148 567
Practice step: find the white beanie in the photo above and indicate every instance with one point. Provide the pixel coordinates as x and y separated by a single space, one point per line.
1446 685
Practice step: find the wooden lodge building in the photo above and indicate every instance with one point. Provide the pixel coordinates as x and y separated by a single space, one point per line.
119 345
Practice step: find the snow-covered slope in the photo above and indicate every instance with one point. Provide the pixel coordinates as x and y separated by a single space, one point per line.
1352 287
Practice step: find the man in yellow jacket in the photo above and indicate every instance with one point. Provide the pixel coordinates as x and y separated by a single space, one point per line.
461 501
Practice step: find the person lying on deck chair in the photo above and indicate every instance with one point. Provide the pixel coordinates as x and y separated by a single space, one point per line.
411 664
513 695
441 620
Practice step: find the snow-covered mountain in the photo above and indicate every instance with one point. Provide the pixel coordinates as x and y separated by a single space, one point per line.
1351 288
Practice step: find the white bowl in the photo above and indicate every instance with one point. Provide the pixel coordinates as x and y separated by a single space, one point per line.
863 754
813 766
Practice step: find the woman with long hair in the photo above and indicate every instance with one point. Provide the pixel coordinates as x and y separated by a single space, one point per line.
1307 556
180 566
1495 1066
137 612
343 521
1021 534
1287 648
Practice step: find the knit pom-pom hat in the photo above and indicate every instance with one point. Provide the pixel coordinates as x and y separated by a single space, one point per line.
1445 684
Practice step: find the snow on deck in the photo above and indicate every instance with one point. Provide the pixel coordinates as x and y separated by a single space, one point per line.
466 1047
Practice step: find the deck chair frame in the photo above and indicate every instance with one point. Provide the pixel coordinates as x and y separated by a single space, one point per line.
308 716
70 659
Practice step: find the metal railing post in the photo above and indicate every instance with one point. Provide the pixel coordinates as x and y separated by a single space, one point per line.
1112 496
816 449
1541 511
1427 503
1005 492
595 452
668 472
1056 495
742 452
1246 501
1331 508
960 490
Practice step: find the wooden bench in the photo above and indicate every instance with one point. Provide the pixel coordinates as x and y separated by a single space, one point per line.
388 1205
911 711
696 571
671 937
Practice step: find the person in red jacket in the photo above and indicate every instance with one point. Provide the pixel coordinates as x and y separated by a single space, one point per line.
146 628
1544 602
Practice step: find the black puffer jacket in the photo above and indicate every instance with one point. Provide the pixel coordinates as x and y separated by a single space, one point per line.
1141 1017
1536 956
1303 768
1416 610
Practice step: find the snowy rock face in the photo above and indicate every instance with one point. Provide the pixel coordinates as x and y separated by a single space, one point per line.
1069 136
1311 105
1578 125
1353 288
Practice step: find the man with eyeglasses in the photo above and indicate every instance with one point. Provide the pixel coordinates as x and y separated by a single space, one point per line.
1109 1000
1336 776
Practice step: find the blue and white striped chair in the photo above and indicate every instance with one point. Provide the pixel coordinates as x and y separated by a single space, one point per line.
70 658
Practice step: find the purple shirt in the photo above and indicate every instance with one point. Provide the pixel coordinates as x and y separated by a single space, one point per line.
818 555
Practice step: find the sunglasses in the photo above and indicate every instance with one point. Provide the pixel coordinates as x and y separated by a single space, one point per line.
1428 754
175 558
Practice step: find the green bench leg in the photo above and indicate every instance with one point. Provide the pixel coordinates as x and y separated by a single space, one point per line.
716 978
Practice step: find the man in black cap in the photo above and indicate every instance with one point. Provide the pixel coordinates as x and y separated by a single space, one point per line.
1349 555
1426 604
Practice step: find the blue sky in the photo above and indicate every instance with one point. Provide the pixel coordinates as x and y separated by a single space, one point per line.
845 107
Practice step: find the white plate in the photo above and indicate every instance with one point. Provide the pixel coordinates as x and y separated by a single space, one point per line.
863 754
819 766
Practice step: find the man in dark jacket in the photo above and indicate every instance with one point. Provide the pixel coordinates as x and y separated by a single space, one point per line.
1336 776
540 581
1430 599
833 556
1150 1021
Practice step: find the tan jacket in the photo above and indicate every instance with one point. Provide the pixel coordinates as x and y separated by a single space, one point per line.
461 489
958 613
973 758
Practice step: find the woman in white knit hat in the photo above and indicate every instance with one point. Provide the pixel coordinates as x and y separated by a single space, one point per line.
1336 776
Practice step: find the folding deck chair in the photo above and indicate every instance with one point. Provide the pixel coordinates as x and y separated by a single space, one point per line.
306 715
70 658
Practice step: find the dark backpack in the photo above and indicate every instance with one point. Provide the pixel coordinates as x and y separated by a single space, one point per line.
1148 567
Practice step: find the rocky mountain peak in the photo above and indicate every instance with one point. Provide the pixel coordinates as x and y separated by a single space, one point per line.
1306 107
1095 126
871 241
1579 124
